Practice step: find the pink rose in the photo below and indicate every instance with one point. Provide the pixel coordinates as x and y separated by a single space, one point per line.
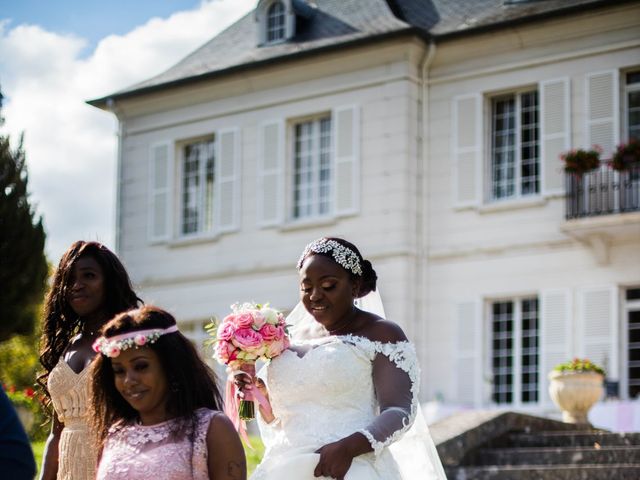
269 332
225 351
275 348
280 333
246 339
140 340
243 320
225 330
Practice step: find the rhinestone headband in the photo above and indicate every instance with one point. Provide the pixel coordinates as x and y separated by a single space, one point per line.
112 346
344 256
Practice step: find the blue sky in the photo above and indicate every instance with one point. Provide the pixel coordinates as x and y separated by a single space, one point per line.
89 19
55 55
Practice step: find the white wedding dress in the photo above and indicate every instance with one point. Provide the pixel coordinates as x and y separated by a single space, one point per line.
333 386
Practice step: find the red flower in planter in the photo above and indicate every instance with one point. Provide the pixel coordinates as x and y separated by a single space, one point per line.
626 156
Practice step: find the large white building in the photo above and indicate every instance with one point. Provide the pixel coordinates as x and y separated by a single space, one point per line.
426 132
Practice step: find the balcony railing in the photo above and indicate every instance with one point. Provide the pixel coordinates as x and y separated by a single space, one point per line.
603 192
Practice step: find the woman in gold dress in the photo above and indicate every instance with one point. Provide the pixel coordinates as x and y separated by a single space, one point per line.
89 287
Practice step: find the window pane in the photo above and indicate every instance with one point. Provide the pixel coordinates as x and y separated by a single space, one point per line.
529 350
197 187
312 168
275 22
502 332
529 148
633 114
503 147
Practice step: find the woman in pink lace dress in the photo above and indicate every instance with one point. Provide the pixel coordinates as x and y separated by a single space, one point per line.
155 405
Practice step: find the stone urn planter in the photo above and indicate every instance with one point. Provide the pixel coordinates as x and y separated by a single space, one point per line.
26 417
575 393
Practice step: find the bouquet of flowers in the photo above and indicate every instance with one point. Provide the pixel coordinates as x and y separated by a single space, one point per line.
249 333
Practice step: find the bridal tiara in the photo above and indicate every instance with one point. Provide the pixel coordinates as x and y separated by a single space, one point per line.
112 346
344 256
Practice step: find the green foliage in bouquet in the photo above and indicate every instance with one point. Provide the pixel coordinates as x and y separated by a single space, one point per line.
579 365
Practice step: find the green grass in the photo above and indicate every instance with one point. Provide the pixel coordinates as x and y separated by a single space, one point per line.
38 450
253 456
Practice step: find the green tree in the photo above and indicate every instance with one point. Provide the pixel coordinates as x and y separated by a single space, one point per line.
23 264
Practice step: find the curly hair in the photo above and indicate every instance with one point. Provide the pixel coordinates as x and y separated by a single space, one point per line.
60 323
193 383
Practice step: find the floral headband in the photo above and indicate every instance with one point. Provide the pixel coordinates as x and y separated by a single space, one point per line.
344 256
112 346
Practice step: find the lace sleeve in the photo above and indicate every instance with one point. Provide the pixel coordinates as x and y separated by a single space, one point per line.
269 432
396 380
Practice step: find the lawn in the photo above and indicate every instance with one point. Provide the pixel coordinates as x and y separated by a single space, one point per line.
253 456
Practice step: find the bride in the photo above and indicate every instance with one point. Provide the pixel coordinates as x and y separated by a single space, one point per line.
344 396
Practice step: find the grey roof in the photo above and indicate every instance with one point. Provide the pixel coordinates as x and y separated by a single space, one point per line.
326 24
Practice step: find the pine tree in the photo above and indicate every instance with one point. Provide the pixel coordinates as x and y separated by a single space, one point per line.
23 264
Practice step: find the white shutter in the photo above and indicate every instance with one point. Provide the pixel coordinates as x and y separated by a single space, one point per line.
602 121
160 192
346 156
555 335
555 132
271 160
598 327
467 149
227 185
468 351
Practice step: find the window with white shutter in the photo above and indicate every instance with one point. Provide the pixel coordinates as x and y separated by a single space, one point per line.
467 149
602 111
632 105
598 328
555 334
271 164
631 341
209 184
468 346
346 151
160 191
555 132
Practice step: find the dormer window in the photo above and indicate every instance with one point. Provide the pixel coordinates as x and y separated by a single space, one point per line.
276 21
276 17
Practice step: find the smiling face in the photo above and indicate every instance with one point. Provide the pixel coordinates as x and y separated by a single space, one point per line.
142 382
327 291
85 292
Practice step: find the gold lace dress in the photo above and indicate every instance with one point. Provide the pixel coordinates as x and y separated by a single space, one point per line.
69 394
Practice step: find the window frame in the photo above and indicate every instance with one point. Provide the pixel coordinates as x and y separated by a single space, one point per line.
281 16
517 351
291 140
627 88
518 196
180 158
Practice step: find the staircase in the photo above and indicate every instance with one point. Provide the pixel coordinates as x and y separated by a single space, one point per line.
557 455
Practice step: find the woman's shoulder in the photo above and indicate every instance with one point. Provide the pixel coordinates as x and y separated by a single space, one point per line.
383 331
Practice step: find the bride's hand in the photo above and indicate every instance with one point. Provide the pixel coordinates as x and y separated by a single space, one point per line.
336 457
243 382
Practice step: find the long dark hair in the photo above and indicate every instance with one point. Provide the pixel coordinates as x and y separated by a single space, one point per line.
60 323
192 384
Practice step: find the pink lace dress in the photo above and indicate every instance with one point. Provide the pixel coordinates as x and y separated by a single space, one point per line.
139 452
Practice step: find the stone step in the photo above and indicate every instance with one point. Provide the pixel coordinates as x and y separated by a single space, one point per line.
627 471
557 455
570 439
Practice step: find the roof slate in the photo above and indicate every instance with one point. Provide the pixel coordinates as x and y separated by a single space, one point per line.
337 22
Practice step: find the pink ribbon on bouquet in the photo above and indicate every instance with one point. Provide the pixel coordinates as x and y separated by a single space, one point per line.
232 402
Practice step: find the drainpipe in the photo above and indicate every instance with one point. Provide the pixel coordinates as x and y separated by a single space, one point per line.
422 204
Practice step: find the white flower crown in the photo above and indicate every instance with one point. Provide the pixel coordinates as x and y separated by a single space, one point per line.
344 256
112 346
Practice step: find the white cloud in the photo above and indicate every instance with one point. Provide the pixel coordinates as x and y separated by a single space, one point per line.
70 146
